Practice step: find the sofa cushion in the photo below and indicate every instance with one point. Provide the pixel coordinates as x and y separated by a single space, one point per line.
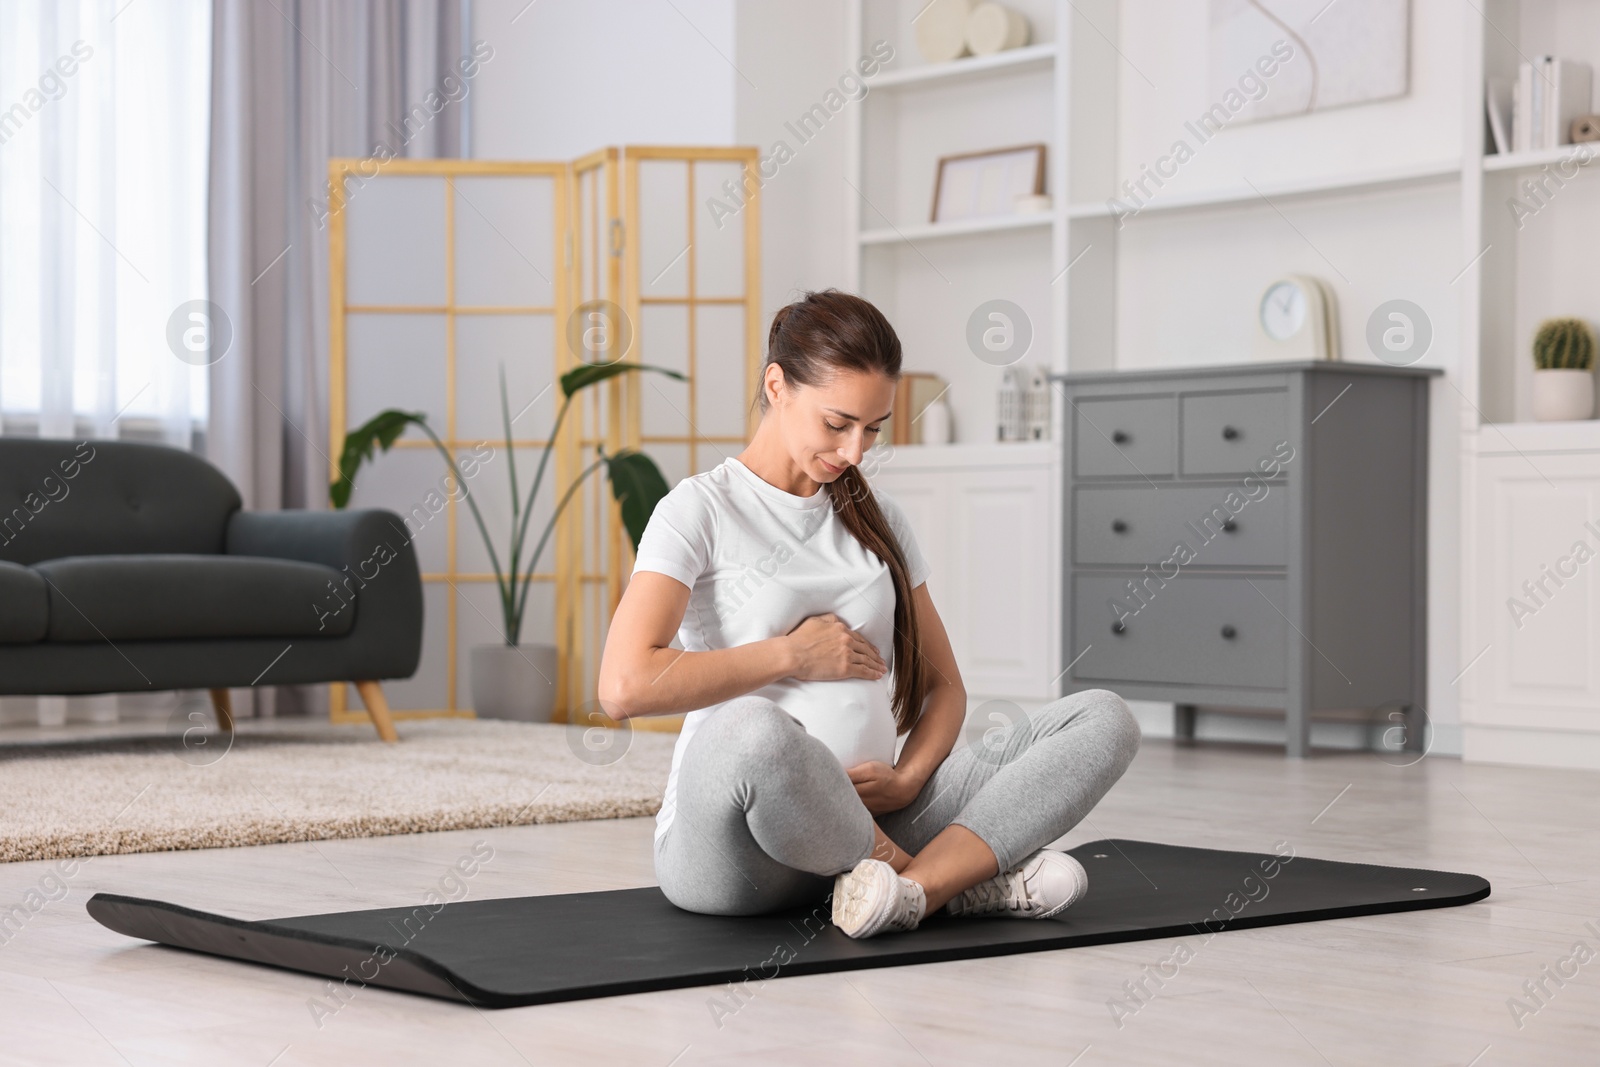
82 498
24 605
155 596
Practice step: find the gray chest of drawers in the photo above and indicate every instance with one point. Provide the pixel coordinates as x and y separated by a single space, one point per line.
1249 536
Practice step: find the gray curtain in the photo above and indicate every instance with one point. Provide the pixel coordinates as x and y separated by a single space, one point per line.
295 82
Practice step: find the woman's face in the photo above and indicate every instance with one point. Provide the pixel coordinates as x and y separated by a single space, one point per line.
829 426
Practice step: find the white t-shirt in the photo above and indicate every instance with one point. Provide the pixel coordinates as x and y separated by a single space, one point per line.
759 560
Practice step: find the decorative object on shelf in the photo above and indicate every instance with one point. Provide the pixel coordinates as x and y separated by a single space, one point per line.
1352 52
1009 406
1563 383
1497 105
1585 128
983 184
935 423
1297 318
912 395
514 680
1036 406
1032 203
1022 405
942 30
993 28
1548 96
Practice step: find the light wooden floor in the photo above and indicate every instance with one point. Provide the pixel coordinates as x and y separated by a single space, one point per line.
1420 989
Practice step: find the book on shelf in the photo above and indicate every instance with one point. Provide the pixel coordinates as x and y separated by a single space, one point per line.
1547 95
1523 105
1497 104
1566 99
912 393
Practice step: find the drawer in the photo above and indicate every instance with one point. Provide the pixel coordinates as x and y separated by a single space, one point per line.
1124 438
1230 433
1145 524
1188 631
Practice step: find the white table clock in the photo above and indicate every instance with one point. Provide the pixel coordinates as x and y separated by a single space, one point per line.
1297 319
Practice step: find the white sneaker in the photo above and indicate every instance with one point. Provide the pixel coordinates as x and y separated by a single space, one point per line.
872 898
1041 887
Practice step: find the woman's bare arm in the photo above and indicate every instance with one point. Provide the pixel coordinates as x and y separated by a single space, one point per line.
640 674
945 709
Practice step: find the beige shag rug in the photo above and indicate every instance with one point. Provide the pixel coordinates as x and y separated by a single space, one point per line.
157 794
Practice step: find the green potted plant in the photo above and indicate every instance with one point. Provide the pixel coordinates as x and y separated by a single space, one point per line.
1563 381
512 680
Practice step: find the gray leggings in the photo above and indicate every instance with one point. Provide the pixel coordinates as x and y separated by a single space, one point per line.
766 816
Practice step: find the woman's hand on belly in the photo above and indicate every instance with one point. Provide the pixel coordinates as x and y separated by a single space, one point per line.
882 788
827 650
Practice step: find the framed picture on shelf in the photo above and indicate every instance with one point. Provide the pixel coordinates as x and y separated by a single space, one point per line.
976 185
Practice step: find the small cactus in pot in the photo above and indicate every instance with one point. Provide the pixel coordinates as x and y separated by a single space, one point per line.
1564 344
1563 379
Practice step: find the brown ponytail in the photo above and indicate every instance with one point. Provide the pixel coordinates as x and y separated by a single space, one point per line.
829 331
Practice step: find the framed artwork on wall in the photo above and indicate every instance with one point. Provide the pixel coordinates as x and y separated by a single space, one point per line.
1275 58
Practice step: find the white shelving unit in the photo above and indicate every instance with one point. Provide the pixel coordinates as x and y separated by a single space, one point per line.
1065 90
1392 199
970 499
914 113
1526 270
1530 674
1545 157
1355 182
937 230
1033 55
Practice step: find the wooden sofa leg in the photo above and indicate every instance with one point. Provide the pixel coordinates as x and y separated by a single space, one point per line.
222 704
378 708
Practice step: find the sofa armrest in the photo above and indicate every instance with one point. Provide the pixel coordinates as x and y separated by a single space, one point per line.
333 538
372 549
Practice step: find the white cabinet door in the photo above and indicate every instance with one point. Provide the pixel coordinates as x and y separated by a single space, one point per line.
990 536
1001 554
922 498
1538 602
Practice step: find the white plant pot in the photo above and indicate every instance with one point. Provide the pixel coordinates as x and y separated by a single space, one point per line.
1562 395
514 683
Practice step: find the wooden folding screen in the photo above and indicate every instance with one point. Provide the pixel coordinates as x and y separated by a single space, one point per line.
442 271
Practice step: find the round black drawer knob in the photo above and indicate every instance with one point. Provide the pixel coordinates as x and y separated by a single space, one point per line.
1118 526
1229 526
1229 632
1230 434
1120 437
1117 627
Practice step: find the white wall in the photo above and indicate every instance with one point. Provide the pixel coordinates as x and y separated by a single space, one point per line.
1204 271
1165 42
570 76
794 52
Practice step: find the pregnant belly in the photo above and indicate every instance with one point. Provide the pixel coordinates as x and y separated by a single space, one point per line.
854 717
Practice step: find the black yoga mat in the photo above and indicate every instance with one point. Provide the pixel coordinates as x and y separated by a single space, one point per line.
537 950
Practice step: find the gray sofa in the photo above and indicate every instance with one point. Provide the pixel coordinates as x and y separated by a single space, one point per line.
130 567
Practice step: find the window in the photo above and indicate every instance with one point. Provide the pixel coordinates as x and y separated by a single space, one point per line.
104 135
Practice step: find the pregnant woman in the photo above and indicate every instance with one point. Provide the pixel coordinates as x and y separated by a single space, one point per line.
810 645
